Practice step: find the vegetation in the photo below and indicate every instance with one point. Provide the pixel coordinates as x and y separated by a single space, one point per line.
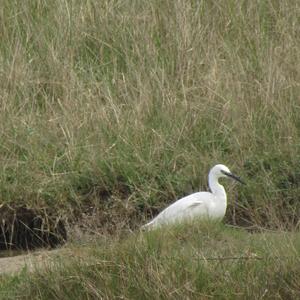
136 100
120 107
199 261
140 98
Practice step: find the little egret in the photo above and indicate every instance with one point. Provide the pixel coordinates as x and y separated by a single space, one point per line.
211 205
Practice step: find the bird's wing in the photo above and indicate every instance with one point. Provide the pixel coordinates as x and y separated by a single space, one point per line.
185 207
194 204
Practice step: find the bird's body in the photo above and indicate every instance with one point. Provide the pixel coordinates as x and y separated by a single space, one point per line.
205 205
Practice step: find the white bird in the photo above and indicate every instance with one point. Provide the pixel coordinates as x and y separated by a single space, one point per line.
211 205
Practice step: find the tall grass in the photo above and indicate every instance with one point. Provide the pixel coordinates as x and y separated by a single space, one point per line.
129 103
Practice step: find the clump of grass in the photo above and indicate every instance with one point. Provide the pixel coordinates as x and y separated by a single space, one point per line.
200 260
150 95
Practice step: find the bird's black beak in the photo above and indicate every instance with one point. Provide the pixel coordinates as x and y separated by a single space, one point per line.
233 176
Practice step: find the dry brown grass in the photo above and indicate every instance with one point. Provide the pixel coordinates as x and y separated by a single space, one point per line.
134 101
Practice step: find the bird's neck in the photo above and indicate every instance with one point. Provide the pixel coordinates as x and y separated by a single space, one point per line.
216 188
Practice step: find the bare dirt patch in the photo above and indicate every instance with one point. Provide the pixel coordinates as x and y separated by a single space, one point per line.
41 259
31 261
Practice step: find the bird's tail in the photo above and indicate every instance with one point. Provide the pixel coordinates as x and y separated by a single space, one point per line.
147 226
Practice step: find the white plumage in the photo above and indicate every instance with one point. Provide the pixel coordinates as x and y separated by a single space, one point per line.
211 205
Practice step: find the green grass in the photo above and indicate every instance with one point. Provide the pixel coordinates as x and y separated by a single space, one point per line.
124 106
197 261
138 99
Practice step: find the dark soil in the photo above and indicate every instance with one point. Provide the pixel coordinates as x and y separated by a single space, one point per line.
26 228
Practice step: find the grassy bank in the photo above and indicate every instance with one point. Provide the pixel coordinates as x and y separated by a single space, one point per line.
115 108
198 261
127 104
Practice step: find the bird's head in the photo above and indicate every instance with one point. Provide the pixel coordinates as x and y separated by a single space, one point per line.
219 171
